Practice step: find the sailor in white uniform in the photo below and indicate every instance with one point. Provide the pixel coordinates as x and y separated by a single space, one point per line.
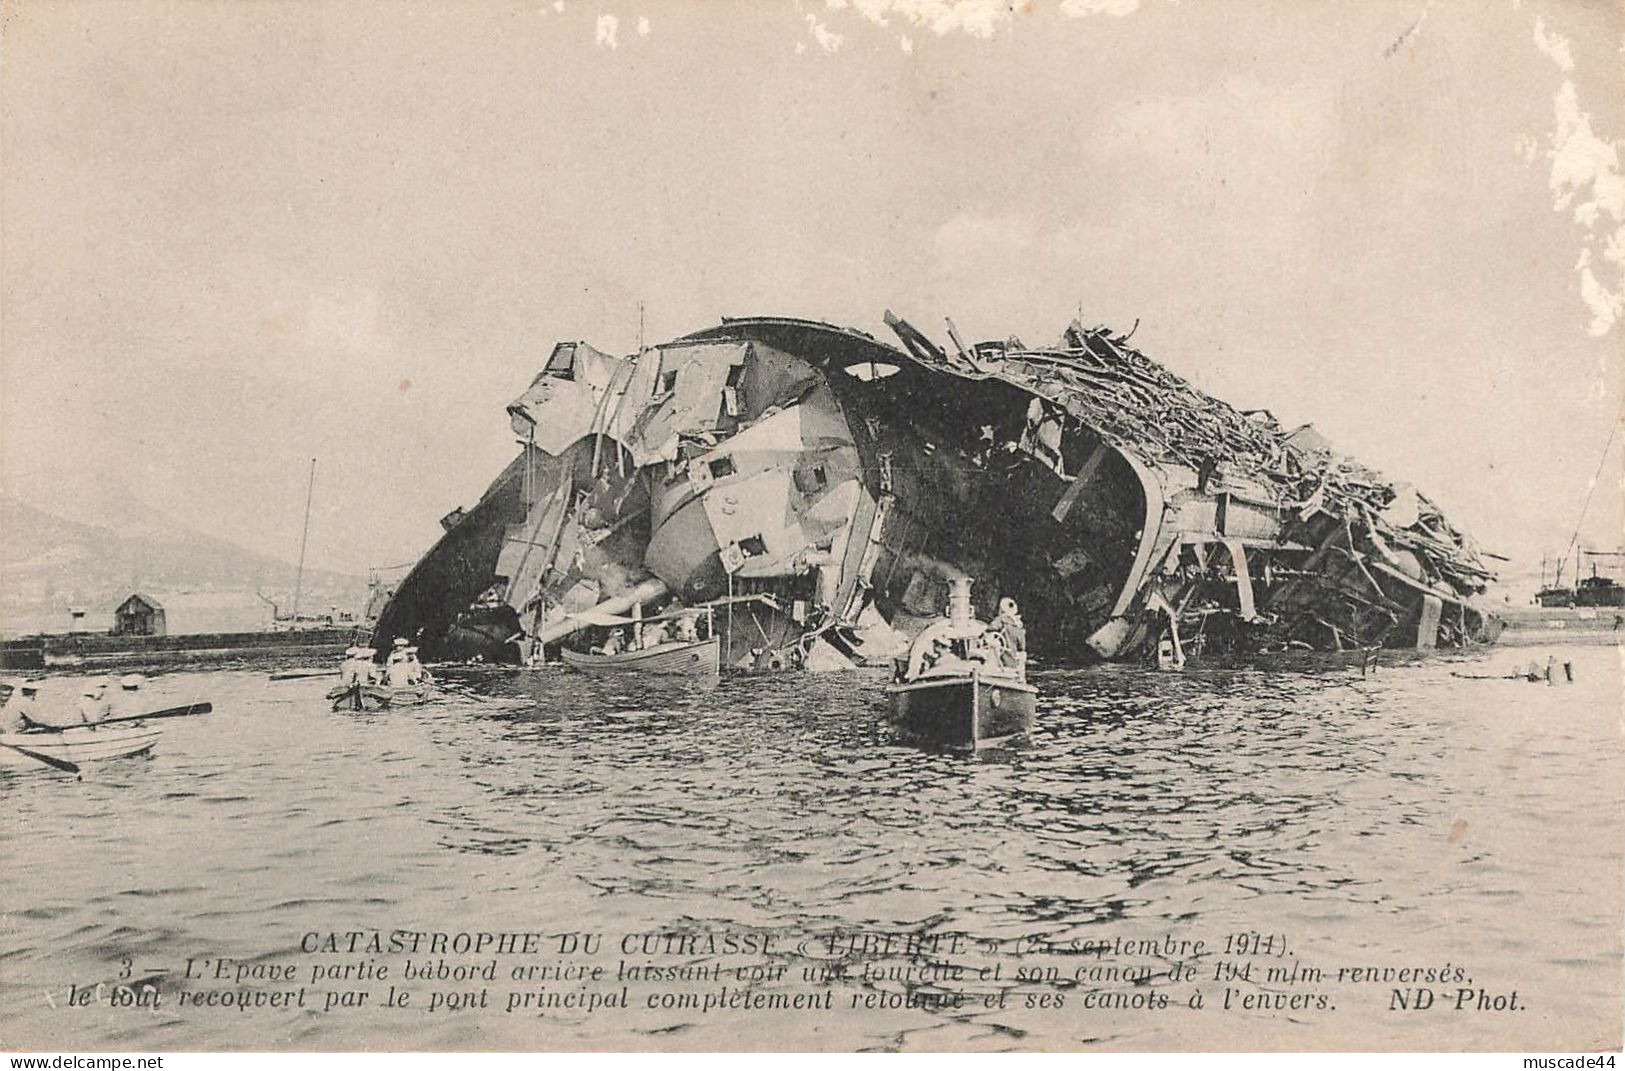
355 669
418 675
94 704
12 719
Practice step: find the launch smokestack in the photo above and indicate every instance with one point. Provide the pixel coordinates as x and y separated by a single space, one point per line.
959 611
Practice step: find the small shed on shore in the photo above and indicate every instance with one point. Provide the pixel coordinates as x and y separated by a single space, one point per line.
139 615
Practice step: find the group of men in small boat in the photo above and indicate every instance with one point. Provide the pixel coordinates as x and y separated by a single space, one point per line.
22 707
401 669
999 649
682 629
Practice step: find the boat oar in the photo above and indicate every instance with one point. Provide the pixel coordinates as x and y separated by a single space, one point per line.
303 674
50 760
172 712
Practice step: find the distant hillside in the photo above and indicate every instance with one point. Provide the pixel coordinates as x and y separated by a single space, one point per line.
48 563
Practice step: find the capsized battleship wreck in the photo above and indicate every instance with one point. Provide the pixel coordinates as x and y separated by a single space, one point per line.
818 488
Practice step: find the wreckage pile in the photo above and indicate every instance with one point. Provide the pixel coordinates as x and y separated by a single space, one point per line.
818 489
1138 404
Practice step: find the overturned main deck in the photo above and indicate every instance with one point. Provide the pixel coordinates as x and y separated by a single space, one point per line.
819 487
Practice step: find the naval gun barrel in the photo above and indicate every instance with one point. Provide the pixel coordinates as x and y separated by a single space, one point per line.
648 590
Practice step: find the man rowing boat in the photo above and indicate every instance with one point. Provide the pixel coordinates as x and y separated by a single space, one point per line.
12 719
94 702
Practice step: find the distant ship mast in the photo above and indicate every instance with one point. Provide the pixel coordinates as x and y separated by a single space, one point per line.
1556 594
1574 541
304 536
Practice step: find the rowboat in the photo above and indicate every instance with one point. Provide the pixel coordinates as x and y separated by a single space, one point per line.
360 696
90 743
701 659
963 710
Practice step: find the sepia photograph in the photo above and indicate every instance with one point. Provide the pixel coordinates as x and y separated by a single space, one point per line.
812 526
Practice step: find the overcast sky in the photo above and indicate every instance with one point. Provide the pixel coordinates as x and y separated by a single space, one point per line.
236 237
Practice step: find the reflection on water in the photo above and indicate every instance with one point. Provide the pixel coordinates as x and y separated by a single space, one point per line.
1412 817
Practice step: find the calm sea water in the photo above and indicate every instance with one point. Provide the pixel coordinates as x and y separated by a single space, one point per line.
1411 819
